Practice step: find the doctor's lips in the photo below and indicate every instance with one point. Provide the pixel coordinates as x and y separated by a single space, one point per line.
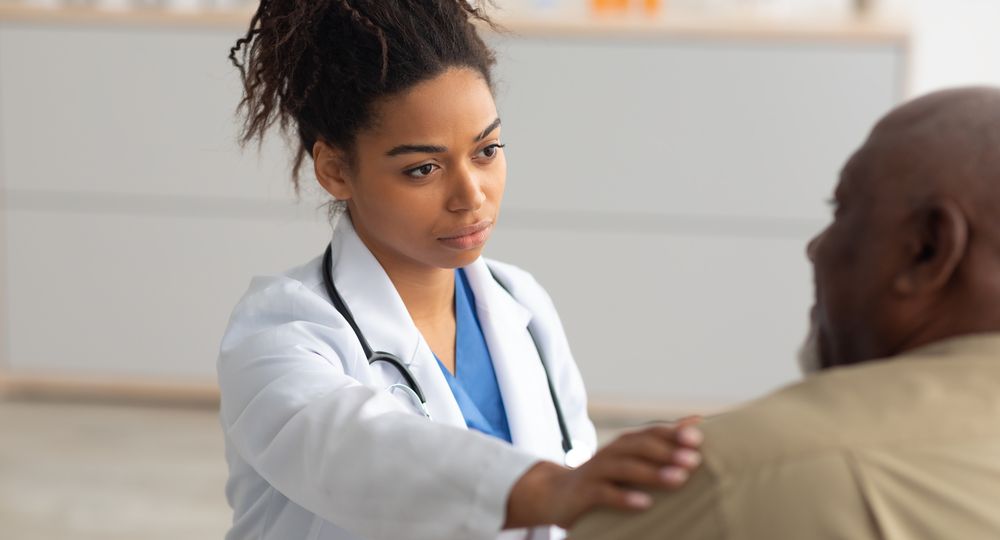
470 237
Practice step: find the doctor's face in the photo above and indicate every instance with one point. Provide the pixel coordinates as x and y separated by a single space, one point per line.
425 183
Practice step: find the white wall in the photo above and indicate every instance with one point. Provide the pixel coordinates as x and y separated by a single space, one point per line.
955 42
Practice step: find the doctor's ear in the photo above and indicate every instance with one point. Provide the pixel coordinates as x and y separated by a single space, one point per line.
333 170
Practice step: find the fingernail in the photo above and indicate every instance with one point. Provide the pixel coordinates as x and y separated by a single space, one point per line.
637 499
673 476
690 436
687 457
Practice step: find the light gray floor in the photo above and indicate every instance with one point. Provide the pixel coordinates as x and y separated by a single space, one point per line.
85 471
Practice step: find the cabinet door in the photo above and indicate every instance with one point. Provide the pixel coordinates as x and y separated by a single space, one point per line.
685 320
133 221
124 110
137 296
671 127
664 190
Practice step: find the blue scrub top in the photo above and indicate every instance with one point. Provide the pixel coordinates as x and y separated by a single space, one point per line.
475 382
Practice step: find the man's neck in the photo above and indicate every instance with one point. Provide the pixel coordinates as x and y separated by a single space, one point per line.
975 312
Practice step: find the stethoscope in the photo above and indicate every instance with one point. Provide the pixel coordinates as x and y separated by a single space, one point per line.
574 457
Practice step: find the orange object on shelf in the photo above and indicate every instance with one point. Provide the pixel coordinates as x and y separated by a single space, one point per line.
609 6
652 7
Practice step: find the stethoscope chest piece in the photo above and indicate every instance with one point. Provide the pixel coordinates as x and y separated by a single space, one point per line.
410 387
576 456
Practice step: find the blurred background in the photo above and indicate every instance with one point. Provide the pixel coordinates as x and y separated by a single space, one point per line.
668 161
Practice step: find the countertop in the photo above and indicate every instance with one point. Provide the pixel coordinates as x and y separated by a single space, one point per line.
665 25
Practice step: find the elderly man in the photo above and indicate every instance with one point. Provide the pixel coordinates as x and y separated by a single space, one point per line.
899 436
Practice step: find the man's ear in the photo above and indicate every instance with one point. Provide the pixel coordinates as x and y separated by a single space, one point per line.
938 241
332 170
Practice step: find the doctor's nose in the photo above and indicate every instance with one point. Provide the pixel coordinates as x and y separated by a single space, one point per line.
467 192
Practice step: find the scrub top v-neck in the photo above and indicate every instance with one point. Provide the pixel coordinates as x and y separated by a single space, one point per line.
474 383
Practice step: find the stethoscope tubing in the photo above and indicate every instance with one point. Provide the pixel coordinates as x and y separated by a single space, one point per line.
372 356
411 381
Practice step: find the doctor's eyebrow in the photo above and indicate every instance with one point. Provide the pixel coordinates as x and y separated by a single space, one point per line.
489 129
433 149
416 149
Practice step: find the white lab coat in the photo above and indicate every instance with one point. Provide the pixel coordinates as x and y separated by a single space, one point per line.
319 449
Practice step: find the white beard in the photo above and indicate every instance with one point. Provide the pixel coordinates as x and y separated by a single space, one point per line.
808 355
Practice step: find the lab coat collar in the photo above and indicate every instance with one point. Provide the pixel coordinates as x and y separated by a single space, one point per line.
530 412
383 319
496 299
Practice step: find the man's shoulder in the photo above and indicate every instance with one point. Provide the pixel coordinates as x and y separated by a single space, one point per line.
801 419
788 465
878 404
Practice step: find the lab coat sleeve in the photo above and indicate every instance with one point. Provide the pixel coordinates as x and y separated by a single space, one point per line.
342 450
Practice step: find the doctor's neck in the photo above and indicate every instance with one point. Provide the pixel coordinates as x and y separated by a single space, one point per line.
428 295
428 292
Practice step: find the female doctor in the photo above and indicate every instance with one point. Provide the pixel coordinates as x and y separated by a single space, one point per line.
400 385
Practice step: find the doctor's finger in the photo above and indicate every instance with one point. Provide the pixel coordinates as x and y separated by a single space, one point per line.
641 473
661 453
685 433
619 498
643 446
652 446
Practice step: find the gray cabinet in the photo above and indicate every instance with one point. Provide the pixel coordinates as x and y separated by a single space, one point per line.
662 187
132 220
664 191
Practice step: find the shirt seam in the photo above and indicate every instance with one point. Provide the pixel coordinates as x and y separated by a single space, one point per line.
854 466
719 509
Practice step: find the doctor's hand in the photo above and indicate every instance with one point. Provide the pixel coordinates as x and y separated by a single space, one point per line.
658 457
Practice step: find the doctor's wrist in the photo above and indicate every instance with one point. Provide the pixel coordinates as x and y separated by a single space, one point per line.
532 501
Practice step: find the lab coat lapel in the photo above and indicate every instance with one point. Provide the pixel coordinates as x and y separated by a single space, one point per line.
441 402
383 319
522 381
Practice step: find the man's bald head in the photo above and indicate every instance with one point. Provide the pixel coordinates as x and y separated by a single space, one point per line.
912 253
945 143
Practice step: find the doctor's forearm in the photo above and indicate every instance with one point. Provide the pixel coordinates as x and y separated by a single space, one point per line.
531 499
550 494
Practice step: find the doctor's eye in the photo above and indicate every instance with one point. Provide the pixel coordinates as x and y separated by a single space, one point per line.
422 171
491 151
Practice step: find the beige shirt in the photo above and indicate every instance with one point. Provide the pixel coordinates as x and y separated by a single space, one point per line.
905 448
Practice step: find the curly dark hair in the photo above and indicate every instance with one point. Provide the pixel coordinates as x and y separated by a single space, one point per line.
321 65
